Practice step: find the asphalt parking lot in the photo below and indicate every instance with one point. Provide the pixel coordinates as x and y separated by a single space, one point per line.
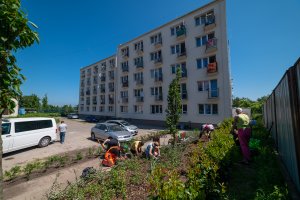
77 137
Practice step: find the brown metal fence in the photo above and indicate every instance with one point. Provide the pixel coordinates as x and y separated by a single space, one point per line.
282 118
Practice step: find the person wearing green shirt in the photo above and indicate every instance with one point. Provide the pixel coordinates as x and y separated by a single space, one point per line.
242 128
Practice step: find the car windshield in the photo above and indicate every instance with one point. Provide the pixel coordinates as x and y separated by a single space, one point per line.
125 123
115 128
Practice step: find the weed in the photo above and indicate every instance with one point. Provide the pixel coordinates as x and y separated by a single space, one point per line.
79 156
13 172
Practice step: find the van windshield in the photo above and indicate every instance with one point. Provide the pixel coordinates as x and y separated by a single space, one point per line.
5 128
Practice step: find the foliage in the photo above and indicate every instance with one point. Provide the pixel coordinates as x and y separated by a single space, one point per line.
45 103
31 102
13 172
173 111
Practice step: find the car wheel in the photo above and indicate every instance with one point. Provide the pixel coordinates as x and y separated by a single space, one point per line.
44 141
93 137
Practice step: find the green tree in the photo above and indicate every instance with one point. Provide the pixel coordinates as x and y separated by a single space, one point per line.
45 105
30 102
174 105
15 33
66 109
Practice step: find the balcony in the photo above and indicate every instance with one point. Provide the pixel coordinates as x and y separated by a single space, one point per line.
111 89
139 51
125 69
211 45
139 65
158 78
82 84
88 103
102 90
213 93
158 97
139 99
212 68
94 91
95 82
158 43
125 55
81 93
88 83
103 79
181 32
95 102
88 92
125 84
181 54
140 82
102 101
124 99
103 68
158 61
184 95
184 74
111 101
210 23
95 72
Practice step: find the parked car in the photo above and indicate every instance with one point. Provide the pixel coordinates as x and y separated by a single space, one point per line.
73 116
131 128
91 119
102 131
20 133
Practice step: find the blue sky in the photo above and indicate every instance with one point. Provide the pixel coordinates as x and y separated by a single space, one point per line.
264 40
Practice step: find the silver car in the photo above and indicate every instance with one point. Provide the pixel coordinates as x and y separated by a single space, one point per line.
102 131
131 128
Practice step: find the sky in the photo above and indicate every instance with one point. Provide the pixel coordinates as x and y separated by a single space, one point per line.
264 39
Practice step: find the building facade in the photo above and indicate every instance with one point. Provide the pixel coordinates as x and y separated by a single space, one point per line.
145 66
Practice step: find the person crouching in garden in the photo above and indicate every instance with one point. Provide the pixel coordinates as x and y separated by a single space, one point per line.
136 148
152 150
243 131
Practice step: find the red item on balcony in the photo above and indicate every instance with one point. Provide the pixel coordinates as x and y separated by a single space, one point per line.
212 67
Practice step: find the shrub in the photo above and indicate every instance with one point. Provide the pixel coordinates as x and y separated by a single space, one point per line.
13 172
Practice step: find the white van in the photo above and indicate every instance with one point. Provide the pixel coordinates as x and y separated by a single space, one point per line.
20 133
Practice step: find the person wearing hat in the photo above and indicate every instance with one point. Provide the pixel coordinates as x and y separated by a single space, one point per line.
243 131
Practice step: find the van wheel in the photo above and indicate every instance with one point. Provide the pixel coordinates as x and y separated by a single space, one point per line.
44 142
93 136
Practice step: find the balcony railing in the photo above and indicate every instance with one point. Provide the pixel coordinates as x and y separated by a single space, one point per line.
158 60
102 90
111 101
111 89
158 43
125 69
211 45
87 92
158 78
181 31
95 82
125 84
158 97
139 99
184 95
212 67
95 102
103 78
88 103
139 65
184 74
125 55
111 77
181 54
210 20
213 93
124 99
94 91
102 101
140 82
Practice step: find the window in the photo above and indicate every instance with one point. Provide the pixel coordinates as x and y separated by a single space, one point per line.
203 62
200 41
203 19
138 93
110 108
138 109
155 73
124 79
203 86
155 109
156 91
138 60
101 109
138 76
5 128
94 108
124 109
87 108
208 109
184 109
155 39
112 62
176 28
124 94
139 46
81 108
182 66
178 48
125 52
155 55
32 125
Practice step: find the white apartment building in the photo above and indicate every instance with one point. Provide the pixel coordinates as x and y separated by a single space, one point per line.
146 65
